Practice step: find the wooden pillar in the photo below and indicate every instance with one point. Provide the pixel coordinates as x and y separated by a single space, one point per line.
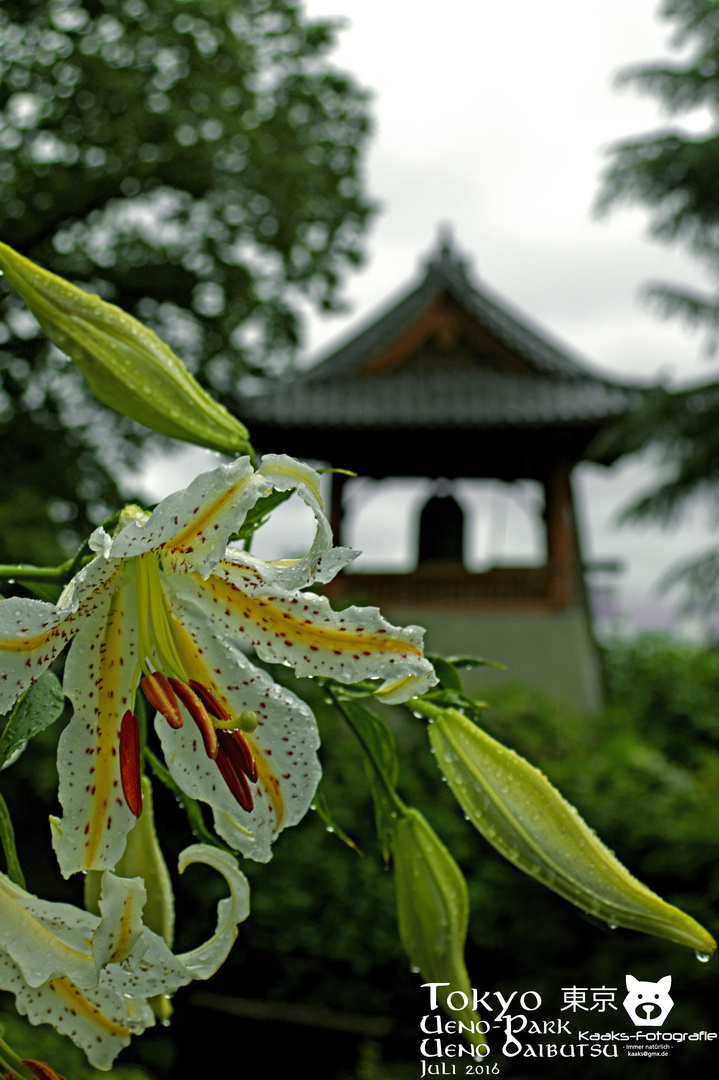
563 558
337 511
336 588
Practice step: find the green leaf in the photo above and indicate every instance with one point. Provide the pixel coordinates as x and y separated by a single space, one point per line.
526 819
449 677
40 705
49 591
381 765
465 661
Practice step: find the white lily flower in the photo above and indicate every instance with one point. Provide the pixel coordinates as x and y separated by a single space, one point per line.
164 606
91 976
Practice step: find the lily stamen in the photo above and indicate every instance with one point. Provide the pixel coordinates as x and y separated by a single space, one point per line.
159 693
233 775
130 764
235 747
209 700
42 1070
198 712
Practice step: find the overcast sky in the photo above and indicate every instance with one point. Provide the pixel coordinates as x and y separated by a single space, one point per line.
494 118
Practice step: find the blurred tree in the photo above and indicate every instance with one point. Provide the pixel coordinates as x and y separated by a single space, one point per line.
674 173
196 162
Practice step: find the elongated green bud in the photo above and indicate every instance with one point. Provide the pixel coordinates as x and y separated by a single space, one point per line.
124 363
525 818
433 914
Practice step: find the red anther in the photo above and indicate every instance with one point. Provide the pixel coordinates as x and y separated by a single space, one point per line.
234 778
234 745
130 769
198 712
41 1070
159 693
209 700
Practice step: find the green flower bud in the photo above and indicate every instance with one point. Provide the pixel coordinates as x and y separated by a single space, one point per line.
518 811
433 914
124 363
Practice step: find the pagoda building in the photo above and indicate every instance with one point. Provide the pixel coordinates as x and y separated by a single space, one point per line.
451 383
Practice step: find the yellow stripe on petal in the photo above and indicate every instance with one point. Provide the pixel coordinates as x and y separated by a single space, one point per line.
281 622
31 636
85 1010
30 644
207 515
121 907
37 936
302 630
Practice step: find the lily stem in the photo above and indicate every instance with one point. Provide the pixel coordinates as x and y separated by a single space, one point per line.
392 795
424 708
7 839
36 573
11 1069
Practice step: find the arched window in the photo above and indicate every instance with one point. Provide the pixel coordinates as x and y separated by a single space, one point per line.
441 530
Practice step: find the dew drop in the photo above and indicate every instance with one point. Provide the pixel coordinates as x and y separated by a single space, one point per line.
702 957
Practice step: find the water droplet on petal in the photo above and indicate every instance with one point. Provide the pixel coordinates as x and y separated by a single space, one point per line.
702 957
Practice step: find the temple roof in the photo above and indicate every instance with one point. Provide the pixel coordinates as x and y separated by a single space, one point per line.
447 361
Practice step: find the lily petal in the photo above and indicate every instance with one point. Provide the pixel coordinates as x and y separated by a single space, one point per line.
66 945
46 939
300 629
32 633
100 1021
98 681
121 906
190 528
323 561
206 959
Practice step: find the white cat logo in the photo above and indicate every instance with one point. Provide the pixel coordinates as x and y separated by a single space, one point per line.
648 1003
